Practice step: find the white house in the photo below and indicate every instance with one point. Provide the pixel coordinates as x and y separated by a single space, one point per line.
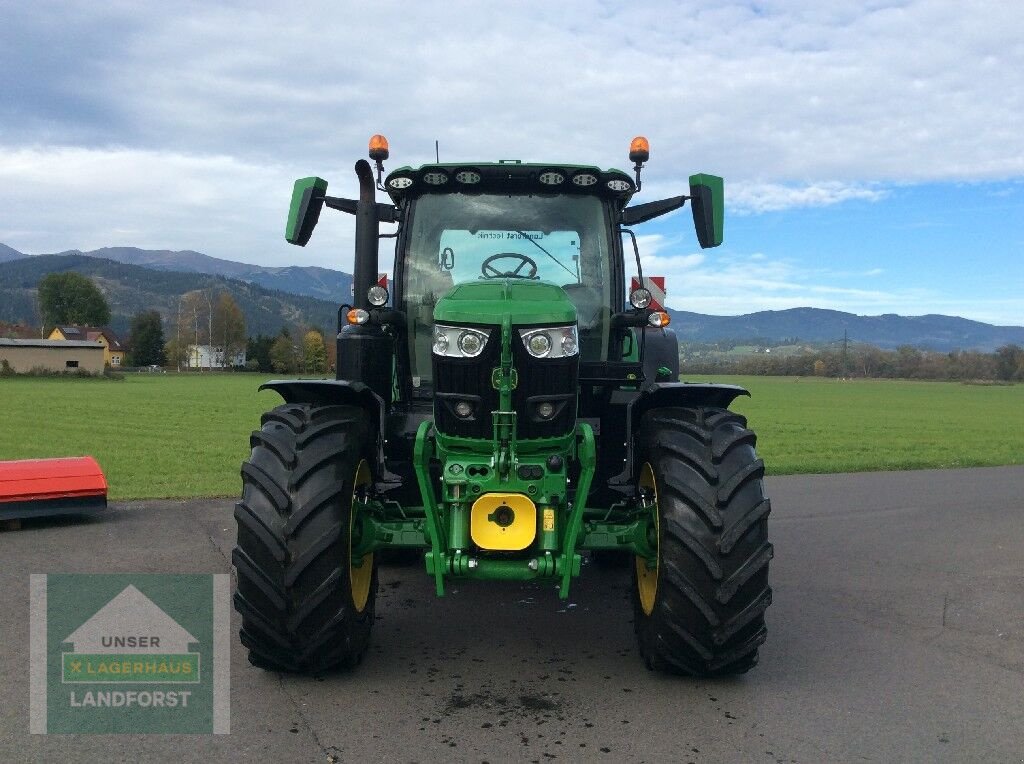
212 357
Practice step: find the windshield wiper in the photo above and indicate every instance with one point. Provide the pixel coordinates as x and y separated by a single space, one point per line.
538 246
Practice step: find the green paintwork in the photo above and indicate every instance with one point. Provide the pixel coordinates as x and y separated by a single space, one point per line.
422 453
716 186
487 302
587 454
300 209
632 536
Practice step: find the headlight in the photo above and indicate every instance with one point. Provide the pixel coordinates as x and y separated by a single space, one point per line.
440 341
471 343
640 298
539 344
458 341
551 342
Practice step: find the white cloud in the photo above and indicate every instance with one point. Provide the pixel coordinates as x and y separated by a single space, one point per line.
746 198
729 284
183 125
89 198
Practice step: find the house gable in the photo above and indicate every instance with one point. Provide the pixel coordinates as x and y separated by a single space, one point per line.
113 350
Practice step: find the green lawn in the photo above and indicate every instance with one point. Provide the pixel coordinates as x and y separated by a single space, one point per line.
155 435
179 436
813 425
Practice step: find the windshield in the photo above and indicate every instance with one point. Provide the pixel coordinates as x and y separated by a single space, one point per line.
456 238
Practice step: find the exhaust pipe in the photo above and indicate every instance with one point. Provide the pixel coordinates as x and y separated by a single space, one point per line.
364 270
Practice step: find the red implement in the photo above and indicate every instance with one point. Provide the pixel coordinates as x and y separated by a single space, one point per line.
42 487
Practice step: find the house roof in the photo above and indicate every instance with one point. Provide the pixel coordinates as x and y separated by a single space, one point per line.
92 333
4 342
17 331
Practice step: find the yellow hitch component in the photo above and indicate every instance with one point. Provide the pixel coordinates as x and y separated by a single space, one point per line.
503 521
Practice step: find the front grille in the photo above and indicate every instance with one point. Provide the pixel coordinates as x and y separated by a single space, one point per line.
553 380
467 379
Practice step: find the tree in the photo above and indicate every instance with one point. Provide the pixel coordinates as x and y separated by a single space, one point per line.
314 354
332 354
192 326
284 354
71 298
1009 362
146 339
258 349
228 326
176 352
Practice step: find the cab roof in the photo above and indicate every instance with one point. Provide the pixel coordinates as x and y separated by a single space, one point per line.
509 176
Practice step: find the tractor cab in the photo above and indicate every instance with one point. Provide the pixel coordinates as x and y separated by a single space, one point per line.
525 224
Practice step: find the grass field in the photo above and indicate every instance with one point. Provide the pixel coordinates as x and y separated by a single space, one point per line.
814 425
162 436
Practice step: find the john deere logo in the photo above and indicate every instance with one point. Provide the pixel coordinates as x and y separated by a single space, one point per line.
130 653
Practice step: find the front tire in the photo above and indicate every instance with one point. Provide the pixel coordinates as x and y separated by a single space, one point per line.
700 610
306 605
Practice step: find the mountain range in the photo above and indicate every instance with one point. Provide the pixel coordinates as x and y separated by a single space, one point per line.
130 289
322 283
817 325
271 297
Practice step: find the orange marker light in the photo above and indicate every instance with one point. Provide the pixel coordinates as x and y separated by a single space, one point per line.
357 316
659 319
639 150
378 148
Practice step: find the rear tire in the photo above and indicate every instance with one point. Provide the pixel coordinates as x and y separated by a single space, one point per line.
305 605
701 611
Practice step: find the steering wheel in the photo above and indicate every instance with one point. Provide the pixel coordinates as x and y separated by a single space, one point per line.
492 272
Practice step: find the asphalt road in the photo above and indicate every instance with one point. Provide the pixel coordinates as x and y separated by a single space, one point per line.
896 634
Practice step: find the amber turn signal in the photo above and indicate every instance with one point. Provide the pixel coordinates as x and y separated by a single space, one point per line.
378 148
659 319
358 316
639 150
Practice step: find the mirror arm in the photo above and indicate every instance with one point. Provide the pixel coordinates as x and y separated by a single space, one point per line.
386 213
641 213
345 205
636 317
387 317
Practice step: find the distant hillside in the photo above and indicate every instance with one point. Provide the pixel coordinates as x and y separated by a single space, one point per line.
931 332
322 283
274 296
131 289
9 253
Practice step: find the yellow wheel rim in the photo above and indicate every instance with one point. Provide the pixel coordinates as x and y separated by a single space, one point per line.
360 576
647 577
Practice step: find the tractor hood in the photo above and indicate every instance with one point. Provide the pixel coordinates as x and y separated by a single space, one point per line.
488 302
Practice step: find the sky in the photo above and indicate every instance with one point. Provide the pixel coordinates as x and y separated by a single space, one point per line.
873 152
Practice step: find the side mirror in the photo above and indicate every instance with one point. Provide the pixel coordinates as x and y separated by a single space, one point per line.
307 201
707 201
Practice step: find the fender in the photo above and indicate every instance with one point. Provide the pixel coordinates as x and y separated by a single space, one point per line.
327 392
664 395
686 394
661 348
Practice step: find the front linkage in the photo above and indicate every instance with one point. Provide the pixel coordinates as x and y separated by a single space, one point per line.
513 498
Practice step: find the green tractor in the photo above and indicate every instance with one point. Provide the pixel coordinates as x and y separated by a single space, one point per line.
506 410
